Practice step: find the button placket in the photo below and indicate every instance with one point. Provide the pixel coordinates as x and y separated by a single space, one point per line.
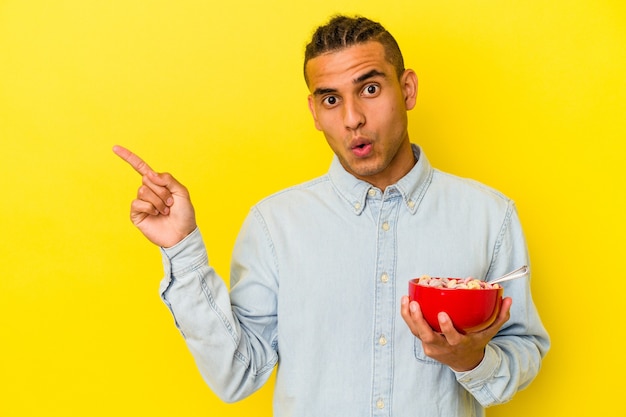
385 303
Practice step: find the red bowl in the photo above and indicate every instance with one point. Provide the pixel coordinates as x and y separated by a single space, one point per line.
471 310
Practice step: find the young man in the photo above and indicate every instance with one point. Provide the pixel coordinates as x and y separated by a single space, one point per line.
320 271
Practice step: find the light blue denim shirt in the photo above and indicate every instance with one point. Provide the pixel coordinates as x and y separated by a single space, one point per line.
317 274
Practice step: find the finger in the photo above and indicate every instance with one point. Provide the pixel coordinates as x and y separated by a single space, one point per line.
505 311
503 317
169 183
413 317
447 328
406 314
146 193
140 209
161 191
133 160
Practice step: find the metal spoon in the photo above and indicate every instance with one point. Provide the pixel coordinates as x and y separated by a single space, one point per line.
518 273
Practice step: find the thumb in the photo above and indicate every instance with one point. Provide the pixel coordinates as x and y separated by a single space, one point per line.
503 316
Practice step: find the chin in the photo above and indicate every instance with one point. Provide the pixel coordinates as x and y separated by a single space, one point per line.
366 171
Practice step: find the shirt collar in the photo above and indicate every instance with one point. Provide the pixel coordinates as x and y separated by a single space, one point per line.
411 187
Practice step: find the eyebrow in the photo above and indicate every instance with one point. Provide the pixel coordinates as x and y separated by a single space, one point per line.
371 74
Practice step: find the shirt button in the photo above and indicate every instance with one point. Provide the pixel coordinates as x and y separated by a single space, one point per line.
382 340
357 205
380 404
411 203
372 192
386 226
384 278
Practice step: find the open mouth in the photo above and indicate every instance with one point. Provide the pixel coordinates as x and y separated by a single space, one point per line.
362 149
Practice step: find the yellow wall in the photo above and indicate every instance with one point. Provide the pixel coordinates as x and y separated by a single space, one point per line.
527 96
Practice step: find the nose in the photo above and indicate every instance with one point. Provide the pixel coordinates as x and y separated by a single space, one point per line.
353 115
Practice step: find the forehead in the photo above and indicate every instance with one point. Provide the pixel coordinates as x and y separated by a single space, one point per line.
333 69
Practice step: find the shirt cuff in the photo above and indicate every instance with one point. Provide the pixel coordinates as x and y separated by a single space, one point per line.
480 375
185 256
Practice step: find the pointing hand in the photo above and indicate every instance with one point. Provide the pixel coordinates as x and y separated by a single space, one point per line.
162 210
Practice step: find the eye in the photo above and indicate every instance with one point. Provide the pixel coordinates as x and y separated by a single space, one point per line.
371 90
329 101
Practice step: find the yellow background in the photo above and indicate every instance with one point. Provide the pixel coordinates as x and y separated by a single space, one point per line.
526 96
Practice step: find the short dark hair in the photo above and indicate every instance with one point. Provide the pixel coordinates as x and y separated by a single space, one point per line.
343 31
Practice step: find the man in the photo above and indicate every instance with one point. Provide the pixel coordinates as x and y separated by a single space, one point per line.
320 271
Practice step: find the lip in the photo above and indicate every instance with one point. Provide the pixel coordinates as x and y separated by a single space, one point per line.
361 148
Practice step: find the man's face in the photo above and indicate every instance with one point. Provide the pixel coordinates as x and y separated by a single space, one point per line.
358 102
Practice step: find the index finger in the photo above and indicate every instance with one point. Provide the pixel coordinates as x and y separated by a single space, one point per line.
133 160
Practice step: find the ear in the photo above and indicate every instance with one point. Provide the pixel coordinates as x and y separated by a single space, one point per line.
408 83
313 113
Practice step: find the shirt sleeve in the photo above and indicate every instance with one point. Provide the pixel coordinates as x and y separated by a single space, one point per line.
234 354
512 358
